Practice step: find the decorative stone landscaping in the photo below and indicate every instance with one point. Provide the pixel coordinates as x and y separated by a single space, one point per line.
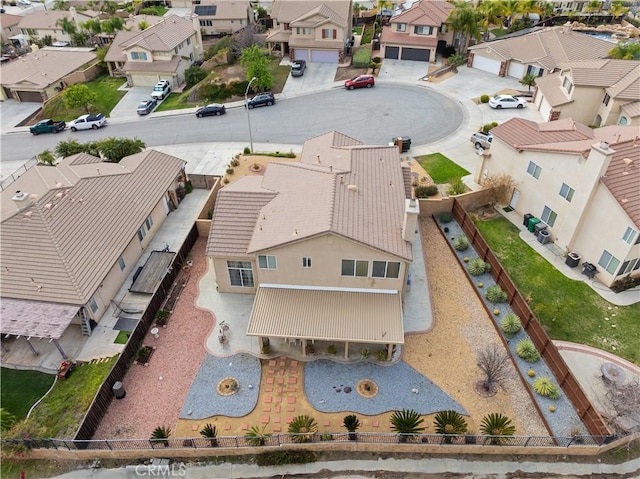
367 388
228 386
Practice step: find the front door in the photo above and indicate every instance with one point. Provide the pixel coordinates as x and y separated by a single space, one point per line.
514 198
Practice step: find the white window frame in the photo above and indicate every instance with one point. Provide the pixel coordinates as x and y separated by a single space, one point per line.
609 262
386 269
567 192
567 85
402 27
629 235
245 274
93 306
122 263
606 99
628 266
306 262
149 222
549 216
534 170
358 264
141 233
267 261
421 29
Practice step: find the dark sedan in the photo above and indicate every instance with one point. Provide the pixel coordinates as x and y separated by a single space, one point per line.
215 109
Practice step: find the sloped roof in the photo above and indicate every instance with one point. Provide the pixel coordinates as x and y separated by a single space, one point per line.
44 67
549 47
622 177
551 87
401 38
286 11
164 66
345 188
325 13
631 109
163 36
80 218
7 20
425 12
44 19
225 9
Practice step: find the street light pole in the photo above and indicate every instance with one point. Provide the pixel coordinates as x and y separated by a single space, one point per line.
249 116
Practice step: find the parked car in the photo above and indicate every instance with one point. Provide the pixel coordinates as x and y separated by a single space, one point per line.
214 109
261 99
361 81
481 140
47 126
507 101
161 90
87 122
145 107
298 67
24 2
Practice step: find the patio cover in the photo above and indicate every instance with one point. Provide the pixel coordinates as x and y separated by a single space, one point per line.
327 314
37 319
152 273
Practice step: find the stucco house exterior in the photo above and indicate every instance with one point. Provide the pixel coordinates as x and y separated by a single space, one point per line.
161 52
324 244
70 234
536 53
416 33
39 75
223 17
311 30
581 182
41 23
596 92
11 33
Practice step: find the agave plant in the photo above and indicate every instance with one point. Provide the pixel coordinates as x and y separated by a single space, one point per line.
527 351
511 324
210 432
302 428
545 387
449 422
496 424
405 423
161 434
351 424
256 436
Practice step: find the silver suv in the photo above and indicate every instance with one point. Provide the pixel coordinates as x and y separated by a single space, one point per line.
161 90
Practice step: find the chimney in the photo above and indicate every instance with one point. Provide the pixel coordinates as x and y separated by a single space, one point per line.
21 199
410 223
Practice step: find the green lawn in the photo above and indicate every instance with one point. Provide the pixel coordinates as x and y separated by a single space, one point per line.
440 168
21 389
108 96
176 101
570 310
122 337
356 31
498 32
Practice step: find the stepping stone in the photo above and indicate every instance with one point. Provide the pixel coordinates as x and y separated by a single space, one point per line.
291 408
292 389
278 408
375 423
327 423
294 363
293 380
291 400
264 419
194 427
245 427
277 419
270 371
266 409
282 363
279 390
268 389
277 429
278 380
267 399
227 427
269 380
281 372
278 398
293 371
289 419
272 362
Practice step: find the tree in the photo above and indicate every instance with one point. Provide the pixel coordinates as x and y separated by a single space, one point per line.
455 61
80 38
112 25
625 51
490 12
194 75
68 26
463 20
351 424
78 95
449 422
60 5
47 158
261 11
594 6
406 422
257 65
496 424
256 437
161 434
493 363
210 432
143 25
302 428
501 186
69 147
510 8
618 9
93 26
115 149
529 80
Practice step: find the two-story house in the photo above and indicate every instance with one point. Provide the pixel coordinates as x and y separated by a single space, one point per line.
581 182
418 32
597 92
324 244
71 234
11 33
311 30
223 17
47 23
161 52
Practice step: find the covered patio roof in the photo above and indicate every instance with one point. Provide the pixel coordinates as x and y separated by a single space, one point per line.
153 272
327 314
38 319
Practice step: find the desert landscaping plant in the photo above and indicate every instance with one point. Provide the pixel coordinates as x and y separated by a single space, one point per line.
527 351
445 217
500 186
424 191
331 349
210 432
450 422
457 187
302 428
351 424
484 98
477 267
160 435
496 424
461 243
546 387
495 294
511 324
406 423
256 437
493 362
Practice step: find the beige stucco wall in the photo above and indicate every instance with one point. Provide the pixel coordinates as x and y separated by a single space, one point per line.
137 49
584 106
543 106
226 25
630 121
56 35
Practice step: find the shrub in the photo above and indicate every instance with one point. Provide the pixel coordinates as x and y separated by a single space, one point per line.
302 428
486 128
457 187
477 267
194 75
235 162
381 354
230 171
527 351
256 437
246 151
450 422
162 316
484 98
624 284
495 294
424 191
210 432
511 324
448 51
531 373
545 387
496 424
331 349
376 60
276 458
445 217
461 243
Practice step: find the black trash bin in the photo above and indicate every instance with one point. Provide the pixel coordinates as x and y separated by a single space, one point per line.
527 217
118 390
403 143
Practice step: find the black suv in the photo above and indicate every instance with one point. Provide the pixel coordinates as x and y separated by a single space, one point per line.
261 99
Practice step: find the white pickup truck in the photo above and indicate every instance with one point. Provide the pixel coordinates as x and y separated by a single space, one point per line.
87 122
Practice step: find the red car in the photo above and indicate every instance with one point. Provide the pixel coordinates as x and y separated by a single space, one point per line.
361 81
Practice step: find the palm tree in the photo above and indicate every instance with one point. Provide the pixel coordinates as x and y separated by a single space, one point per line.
618 8
67 26
490 12
160 434
143 25
405 423
351 424
625 51
302 428
256 437
47 158
449 422
463 20
510 8
594 6
529 80
496 424
210 432
546 9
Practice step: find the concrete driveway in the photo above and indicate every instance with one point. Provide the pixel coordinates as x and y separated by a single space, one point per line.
126 108
13 113
317 77
402 70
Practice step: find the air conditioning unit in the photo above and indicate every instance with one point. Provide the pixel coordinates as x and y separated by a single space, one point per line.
539 227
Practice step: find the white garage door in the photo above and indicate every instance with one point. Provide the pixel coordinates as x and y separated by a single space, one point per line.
324 56
143 80
486 64
516 70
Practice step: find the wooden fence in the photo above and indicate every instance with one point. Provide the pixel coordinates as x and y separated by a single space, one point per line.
103 397
567 381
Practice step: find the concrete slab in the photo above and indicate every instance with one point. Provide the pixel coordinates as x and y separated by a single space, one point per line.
317 77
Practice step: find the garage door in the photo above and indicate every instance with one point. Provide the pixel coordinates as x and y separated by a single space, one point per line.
302 54
30 96
415 54
324 56
392 52
144 80
486 64
516 70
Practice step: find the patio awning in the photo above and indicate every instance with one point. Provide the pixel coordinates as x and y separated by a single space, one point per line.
327 314
152 273
38 319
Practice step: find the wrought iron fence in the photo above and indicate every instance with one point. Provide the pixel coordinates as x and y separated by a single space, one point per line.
17 174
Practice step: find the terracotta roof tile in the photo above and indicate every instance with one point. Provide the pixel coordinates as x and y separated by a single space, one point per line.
163 36
622 177
551 87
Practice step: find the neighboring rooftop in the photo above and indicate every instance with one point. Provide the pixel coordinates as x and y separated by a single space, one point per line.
286 11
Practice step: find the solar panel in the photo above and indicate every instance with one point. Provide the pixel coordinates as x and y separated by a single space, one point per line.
206 10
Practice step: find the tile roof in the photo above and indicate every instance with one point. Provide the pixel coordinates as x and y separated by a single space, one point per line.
44 19
286 11
390 37
632 109
326 13
622 177
165 66
44 67
81 217
38 319
551 87
340 186
550 47
425 12
7 20
163 36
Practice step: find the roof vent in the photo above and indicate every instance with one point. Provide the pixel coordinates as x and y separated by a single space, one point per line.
20 196
352 188
604 145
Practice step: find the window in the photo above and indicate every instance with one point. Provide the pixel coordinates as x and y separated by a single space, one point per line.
606 99
266 262
304 31
609 262
138 55
628 266
623 120
141 233
206 23
329 33
240 273
306 262
534 170
355 267
537 71
121 263
188 41
422 30
629 235
402 27
548 216
93 305
566 192
385 269
176 49
149 222
566 83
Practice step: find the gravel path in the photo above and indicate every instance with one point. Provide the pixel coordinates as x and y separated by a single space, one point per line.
156 393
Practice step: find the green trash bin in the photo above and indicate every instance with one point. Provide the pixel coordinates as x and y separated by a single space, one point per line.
532 224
